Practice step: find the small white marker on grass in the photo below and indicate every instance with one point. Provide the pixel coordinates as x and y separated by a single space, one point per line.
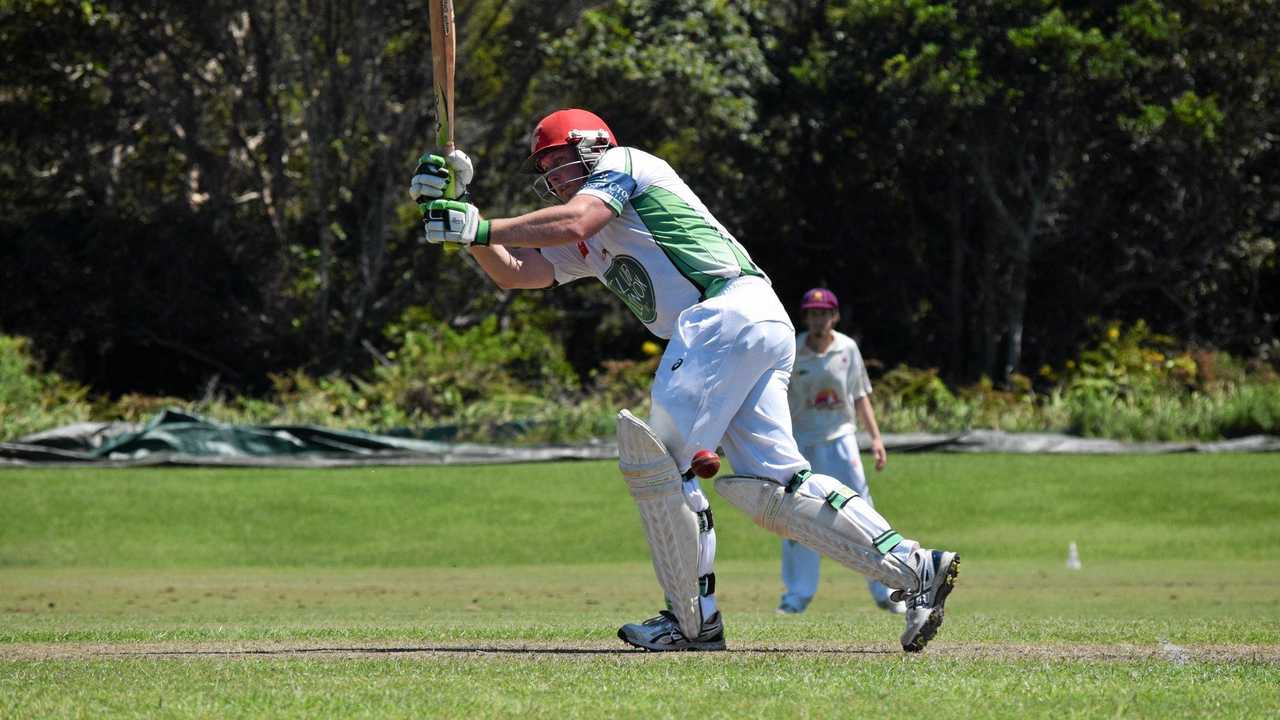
1073 557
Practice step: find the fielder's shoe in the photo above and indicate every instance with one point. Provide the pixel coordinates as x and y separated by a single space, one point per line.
787 608
937 571
662 633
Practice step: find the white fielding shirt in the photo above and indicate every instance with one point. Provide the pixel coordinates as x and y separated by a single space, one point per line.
663 253
824 387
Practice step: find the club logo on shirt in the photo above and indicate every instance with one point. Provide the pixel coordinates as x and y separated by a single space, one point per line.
827 399
627 278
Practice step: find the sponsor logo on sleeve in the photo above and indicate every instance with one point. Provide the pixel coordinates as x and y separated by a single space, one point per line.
616 185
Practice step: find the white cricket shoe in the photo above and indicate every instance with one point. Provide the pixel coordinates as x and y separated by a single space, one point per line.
662 633
937 571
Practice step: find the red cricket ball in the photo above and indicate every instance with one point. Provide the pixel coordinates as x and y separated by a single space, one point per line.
705 464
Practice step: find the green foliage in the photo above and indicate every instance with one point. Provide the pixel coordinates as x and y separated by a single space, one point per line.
480 360
513 385
1250 409
1003 168
1134 383
680 78
1130 384
477 378
985 158
1198 113
912 400
487 383
30 399
1126 363
650 48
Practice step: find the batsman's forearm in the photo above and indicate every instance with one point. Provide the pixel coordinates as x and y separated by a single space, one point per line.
575 221
513 269
497 263
547 227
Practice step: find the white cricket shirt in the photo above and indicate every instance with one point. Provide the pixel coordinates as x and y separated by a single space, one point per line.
823 389
664 251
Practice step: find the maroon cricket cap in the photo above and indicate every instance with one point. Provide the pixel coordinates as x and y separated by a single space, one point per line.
821 299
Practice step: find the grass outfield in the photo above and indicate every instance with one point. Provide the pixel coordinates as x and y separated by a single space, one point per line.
495 592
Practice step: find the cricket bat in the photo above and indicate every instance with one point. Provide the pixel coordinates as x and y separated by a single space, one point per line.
443 48
443 57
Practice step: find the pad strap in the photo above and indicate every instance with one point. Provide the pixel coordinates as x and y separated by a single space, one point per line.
707 585
706 523
887 540
838 500
797 480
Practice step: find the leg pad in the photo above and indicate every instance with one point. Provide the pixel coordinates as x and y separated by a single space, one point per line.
670 526
821 513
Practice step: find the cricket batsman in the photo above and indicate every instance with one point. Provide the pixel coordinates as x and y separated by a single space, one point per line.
624 217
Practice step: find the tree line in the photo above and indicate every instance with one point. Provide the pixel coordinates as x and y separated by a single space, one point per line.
217 190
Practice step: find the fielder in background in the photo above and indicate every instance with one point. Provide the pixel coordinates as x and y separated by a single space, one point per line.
627 219
830 393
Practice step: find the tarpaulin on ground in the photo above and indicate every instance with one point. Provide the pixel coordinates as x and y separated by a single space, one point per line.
996 441
178 438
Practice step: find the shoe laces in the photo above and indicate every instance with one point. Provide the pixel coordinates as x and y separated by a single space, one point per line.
663 617
920 597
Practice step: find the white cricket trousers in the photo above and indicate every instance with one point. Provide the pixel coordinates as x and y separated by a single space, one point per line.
723 382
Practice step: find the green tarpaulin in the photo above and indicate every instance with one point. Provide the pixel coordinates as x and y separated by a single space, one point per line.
177 438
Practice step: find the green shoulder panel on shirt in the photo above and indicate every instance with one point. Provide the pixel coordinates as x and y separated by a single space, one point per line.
702 254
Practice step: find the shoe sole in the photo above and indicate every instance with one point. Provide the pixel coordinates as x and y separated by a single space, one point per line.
936 616
708 646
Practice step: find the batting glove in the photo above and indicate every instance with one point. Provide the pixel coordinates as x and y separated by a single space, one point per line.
439 177
451 221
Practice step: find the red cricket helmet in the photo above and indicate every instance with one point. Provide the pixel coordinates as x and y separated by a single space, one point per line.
582 129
